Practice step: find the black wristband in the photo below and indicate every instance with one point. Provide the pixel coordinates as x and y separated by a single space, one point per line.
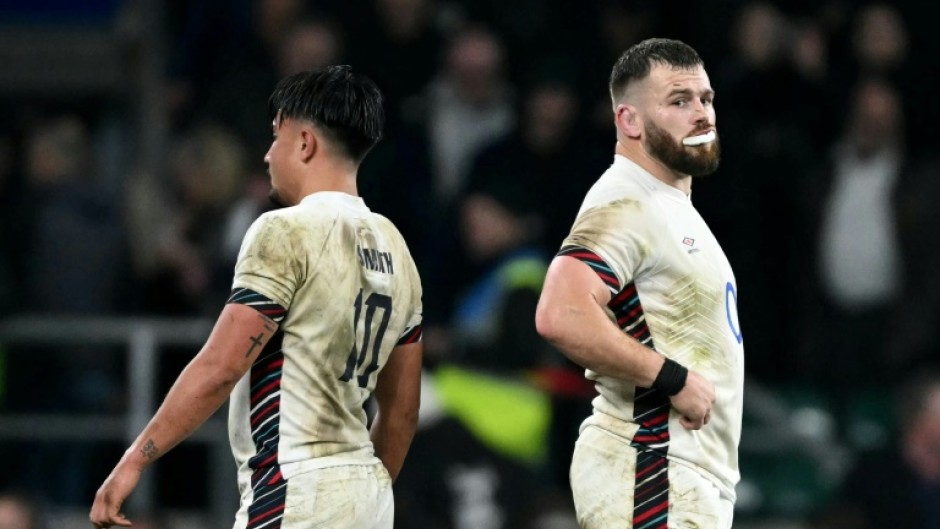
671 377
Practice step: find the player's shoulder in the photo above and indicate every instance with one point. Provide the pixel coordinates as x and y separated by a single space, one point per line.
622 180
293 225
615 194
281 219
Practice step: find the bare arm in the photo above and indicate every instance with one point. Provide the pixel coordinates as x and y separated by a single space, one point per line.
239 335
571 316
398 395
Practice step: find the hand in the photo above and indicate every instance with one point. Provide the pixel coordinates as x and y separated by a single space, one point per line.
106 510
694 402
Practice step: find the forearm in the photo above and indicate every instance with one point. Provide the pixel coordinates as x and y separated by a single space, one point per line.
594 342
200 390
391 436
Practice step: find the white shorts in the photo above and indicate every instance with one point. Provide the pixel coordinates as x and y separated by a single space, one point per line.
604 484
339 497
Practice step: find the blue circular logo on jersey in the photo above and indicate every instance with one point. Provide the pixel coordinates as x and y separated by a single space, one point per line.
731 309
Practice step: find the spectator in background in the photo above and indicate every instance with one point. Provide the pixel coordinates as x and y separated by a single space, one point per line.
18 511
619 25
468 105
880 46
225 65
858 261
810 55
73 222
75 251
492 318
312 44
900 487
184 264
916 323
398 42
753 207
502 226
549 149
528 38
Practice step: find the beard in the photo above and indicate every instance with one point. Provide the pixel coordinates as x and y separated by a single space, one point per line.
700 160
276 199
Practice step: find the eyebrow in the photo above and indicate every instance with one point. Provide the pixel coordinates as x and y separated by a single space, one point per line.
688 92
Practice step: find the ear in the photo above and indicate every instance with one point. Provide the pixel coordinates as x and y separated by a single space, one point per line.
628 120
308 143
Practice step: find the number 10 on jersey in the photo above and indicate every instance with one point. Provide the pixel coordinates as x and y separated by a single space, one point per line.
357 356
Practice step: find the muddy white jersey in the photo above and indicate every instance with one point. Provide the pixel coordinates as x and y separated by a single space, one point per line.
343 285
673 290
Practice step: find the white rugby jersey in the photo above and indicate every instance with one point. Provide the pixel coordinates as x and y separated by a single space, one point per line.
674 291
349 291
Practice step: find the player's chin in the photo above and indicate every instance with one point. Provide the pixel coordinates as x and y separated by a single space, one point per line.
276 198
705 163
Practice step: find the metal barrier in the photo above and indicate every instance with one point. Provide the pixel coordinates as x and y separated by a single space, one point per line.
143 338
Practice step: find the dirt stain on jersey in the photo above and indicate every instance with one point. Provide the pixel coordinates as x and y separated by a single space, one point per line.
609 223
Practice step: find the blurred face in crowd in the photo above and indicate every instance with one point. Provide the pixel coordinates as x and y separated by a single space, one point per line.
488 227
876 118
550 114
474 64
923 440
273 17
208 167
310 46
14 515
675 104
57 151
759 33
880 37
403 19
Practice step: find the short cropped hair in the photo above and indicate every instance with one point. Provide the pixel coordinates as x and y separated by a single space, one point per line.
636 63
346 105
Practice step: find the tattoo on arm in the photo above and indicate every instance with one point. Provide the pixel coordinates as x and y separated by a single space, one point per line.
149 450
269 326
255 342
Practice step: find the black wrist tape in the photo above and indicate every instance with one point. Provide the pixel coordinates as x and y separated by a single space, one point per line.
671 377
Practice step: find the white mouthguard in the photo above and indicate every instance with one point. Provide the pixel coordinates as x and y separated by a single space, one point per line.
708 137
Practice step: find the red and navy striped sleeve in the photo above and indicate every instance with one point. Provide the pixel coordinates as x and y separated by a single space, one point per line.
411 335
596 262
259 302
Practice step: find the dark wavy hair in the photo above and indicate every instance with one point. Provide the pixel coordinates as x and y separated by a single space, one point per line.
345 105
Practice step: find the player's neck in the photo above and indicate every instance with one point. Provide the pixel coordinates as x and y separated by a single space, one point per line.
633 150
329 175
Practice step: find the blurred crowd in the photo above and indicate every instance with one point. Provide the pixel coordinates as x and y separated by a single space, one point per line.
498 122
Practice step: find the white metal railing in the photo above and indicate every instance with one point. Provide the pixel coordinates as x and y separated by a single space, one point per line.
143 338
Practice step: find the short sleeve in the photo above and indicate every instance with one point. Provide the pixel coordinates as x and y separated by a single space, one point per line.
612 239
270 261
